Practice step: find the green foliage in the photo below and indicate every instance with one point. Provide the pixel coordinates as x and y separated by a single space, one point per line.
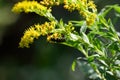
97 38
73 66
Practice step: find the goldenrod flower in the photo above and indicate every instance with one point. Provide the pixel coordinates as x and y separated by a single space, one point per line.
45 28
30 6
28 37
55 37
92 6
84 7
50 2
91 19
35 31
70 4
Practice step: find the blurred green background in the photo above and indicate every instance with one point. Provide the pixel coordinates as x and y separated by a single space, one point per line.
43 60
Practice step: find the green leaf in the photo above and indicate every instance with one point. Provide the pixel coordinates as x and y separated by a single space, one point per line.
78 23
115 46
117 62
94 65
105 10
99 51
117 73
80 47
91 58
74 37
111 27
61 24
83 28
103 21
117 8
85 38
98 43
103 62
97 33
110 73
73 65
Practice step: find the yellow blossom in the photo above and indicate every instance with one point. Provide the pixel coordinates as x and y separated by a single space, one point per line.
28 37
45 28
92 6
84 7
91 19
30 6
70 5
54 37
35 31
50 2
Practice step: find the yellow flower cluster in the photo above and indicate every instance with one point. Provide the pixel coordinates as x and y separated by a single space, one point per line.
45 28
91 18
69 28
70 4
86 8
34 32
50 2
55 37
92 6
30 6
29 37
59 36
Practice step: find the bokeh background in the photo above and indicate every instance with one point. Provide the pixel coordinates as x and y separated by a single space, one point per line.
43 60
